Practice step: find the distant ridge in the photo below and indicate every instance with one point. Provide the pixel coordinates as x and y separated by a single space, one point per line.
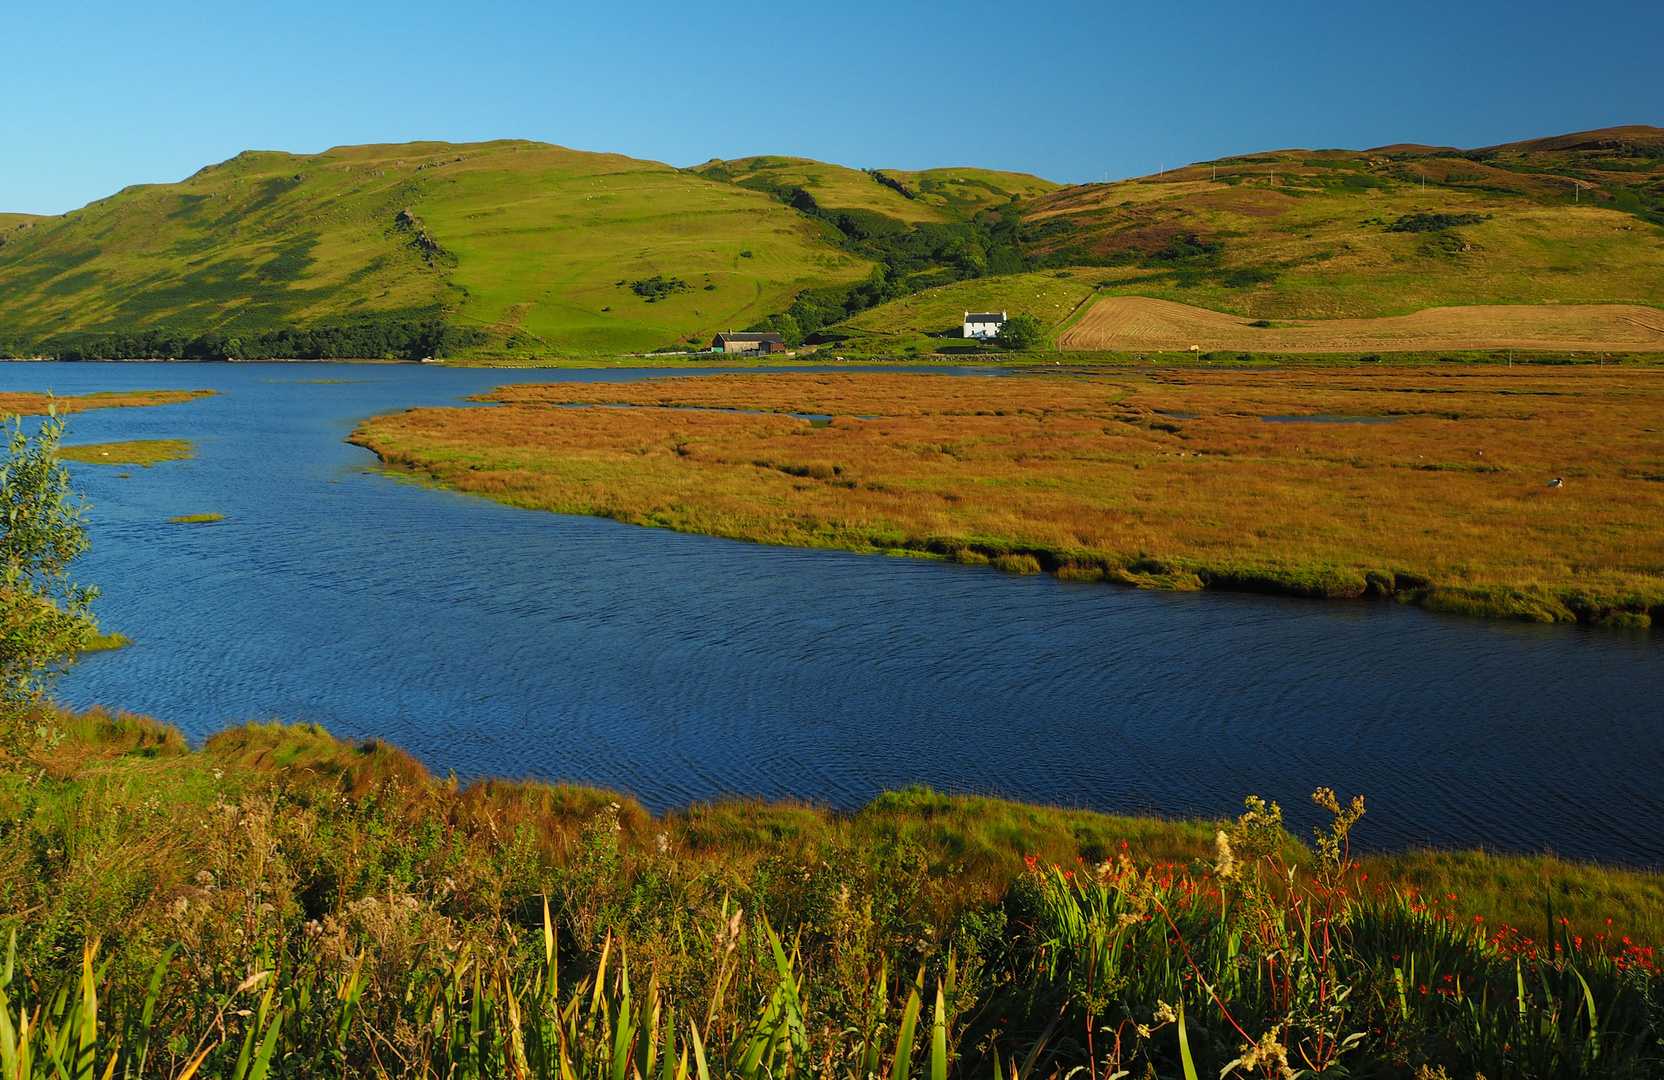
524 248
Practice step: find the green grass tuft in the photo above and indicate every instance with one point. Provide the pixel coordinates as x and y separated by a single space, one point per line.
147 452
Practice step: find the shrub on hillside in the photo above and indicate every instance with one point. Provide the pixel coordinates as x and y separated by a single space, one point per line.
1187 248
658 287
1418 223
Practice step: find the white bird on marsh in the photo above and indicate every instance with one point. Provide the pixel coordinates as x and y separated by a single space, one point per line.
1556 482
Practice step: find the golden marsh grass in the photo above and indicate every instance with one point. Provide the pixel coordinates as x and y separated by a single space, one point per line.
1171 480
26 404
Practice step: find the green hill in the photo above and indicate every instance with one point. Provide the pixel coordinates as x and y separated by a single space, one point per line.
828 185
1335 234
431 248
520 245
933 195
519 248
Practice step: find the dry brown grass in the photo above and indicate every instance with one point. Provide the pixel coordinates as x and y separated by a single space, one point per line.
1098 477
24 404
1126 323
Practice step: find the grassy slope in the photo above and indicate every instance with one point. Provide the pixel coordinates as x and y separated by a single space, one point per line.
1049 296
1319 225
263 239
1320 228
833 186
530 238
543 240
948 194
962 192
10 222
1164 481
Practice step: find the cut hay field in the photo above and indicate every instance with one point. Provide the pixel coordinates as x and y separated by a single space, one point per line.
1125 323
1175 480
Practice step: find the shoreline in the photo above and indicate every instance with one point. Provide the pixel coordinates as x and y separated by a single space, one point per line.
305 754
723 482
862 357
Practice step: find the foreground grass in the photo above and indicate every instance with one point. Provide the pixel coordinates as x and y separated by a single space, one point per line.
280 888
1169 480
146 452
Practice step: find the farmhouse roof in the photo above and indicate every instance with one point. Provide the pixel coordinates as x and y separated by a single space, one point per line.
984 316
750 336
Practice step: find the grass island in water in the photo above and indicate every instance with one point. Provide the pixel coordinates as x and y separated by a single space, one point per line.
1235 479
146 452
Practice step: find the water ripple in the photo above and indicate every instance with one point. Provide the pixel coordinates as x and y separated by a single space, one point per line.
495 641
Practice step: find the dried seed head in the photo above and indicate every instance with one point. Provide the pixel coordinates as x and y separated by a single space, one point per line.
1224 862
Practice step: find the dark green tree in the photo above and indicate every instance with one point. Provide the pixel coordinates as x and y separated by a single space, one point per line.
1021 333
786 325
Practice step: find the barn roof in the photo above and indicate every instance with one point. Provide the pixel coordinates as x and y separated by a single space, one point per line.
751 336
984 316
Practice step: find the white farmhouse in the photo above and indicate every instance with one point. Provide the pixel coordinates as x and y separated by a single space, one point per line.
983 325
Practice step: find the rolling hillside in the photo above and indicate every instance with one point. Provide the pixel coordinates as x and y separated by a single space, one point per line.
935 195
1343 235
519 245
519 248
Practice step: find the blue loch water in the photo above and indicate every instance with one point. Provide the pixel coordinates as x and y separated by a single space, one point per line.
495 641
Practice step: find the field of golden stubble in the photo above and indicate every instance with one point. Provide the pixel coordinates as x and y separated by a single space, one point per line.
1171 480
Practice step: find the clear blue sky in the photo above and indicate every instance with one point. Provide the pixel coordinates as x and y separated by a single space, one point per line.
95 96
